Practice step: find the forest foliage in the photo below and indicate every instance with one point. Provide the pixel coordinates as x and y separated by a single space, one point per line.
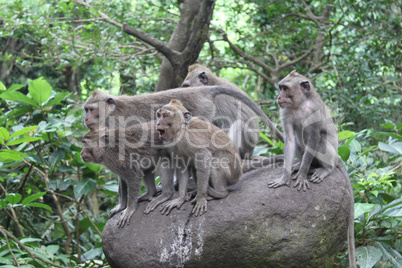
53 206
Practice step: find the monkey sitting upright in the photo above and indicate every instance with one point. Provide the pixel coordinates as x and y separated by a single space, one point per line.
129 153
204 148
310 134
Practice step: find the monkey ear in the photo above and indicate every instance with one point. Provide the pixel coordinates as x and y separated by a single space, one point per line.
187 117
203 78
305 85
111 102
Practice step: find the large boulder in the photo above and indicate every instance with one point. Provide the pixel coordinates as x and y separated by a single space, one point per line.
255 226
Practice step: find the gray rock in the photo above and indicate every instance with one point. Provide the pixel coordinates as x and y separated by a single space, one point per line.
255 226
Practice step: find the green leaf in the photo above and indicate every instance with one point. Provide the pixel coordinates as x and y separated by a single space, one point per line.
57 156
390 254
262 135
345 134
26 139
92 254
39 89
11 155
30 240
355 146
388 126
3 203
52 249
33 197
13 198
395 148
2 87
83 187
4 134
111 186
23 131
259 150
57 99
17 96
393 135
367 257
38 205
344 152
16 87
361 208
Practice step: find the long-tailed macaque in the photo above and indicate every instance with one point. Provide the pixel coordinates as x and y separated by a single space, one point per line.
107 110
310 134
205 149
244 131
131 153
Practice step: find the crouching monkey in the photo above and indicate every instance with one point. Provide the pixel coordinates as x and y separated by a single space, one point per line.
204 149
130 153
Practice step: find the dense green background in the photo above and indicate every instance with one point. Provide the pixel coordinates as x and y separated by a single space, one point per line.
53 206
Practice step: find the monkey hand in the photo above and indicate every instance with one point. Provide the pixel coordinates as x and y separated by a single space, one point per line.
168 206
301 181
200 205
284 180
125 217
115 210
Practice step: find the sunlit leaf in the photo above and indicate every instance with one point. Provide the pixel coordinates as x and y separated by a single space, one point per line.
395 148
361 208
26 139
344 152
345 134
39 89
23 131
17 96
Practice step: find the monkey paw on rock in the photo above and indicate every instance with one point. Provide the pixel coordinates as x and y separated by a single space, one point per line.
115 210
200 205
319 174
125 217
284 180
169 205
301 181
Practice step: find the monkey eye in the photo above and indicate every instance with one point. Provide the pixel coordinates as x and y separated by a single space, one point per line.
165 115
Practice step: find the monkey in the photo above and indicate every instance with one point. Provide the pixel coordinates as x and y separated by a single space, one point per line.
210 154
245 130
131 153
310 134
107 110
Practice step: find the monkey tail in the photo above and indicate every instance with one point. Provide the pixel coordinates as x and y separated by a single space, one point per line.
351 224
217 90
217 194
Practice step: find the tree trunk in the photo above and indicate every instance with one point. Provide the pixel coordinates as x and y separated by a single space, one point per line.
178 42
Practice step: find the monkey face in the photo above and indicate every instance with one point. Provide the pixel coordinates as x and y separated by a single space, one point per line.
93 107
284 98
91 114
164 122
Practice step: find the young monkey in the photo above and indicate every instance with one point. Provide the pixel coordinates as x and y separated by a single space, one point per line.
205 149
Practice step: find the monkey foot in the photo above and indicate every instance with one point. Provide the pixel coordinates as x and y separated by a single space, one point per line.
155 202
115 210
168 206
125 217
302 183
319 175
200 206
145 197
278 182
